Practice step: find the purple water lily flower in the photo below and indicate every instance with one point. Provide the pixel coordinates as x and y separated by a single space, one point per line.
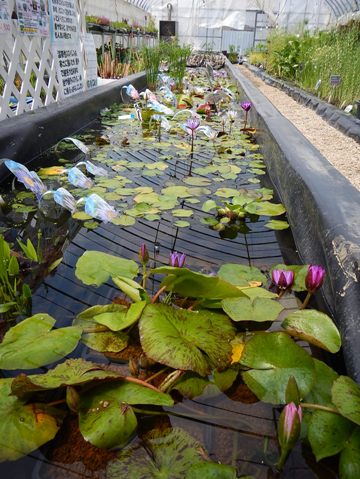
283 279
177 260
314 278
246 105
192 123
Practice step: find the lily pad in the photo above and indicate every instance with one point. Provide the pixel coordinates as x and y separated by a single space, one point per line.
191 385
259 310
72 372
277 225
168 454
124 220
240 274
23 427
31 343
187 283
349 464
208 206
88 271
106 418
197 181
265 208
181 224
182 213
324 379
346 397
106 341
315 328
196 341
273 359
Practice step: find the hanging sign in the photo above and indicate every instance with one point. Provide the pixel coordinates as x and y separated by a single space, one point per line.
90 60
5 17
69 70
64 21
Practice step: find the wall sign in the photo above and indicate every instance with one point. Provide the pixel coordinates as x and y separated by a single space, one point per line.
90 60
69 70
5 17
64 21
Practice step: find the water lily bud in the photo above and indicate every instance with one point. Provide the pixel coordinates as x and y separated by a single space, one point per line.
177 260
143 254
282 279
314 278
246 105
289 426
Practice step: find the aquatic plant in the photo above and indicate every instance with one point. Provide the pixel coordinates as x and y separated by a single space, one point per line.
151 57
246 106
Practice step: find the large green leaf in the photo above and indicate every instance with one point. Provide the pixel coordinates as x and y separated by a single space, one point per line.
191 385
95 267
106 418
324 379
116 317
189 340
106 341
259 310
240 274
31 343
349 465
72 372
315 328
169 454
346 397
196 285
23 427
265 208
328 433
273 359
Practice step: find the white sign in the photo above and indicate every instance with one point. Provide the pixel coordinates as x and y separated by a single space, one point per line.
28 16
69 70
64 21
90 60
5 17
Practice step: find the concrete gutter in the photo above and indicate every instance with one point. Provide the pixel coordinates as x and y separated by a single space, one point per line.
27 136
323 209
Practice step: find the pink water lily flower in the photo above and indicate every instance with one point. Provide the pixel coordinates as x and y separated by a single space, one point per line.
314 278
193 123
177 260
283 279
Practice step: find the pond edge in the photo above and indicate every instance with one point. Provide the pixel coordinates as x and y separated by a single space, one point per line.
323 209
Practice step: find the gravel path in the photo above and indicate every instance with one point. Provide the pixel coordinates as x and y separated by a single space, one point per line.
340 150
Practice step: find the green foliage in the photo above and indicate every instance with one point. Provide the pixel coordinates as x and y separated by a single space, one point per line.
308 58
151 57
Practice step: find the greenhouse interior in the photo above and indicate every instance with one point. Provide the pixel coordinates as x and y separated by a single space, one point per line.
180 239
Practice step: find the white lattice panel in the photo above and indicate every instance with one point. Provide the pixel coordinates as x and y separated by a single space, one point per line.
27 69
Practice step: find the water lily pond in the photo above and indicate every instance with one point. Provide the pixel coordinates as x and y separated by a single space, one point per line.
159 341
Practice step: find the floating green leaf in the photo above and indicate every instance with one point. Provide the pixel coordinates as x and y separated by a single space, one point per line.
265 208
191 385
324 379
23 427
277 225
346 397
240 274
88 271
106 418
181 224
197 181
72 372
196 285
208 205
31 343
168 454
273 359
328 433
106 341
259 310
315 328
188 340
349 465
124 220
182 213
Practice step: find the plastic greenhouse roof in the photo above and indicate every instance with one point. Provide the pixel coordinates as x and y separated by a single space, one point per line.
338 8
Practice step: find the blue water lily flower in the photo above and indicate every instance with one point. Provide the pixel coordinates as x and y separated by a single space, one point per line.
77 178
99 209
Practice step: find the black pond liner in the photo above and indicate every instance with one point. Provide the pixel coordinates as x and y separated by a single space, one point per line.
323 209
249 430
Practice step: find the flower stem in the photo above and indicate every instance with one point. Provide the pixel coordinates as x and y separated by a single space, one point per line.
319 407
150 378
144 278
306 301
156 296
170 380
